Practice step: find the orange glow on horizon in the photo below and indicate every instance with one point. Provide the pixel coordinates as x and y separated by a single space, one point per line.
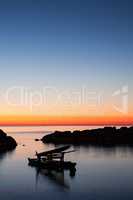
64 120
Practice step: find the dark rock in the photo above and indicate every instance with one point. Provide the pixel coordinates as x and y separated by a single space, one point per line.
6 142
102 136
37 140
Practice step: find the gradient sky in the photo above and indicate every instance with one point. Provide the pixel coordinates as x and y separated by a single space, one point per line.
71 46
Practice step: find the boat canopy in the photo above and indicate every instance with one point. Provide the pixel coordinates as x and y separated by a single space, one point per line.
56 150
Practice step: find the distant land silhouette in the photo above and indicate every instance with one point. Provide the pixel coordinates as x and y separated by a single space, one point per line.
7 143
100 136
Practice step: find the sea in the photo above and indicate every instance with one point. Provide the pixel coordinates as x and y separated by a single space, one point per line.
102 173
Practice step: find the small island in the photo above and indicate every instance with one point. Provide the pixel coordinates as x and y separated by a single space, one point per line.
7 143
100 136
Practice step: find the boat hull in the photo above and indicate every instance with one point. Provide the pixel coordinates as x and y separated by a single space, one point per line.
52 165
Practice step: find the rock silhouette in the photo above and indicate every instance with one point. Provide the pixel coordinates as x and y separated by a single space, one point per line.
100 136
7 143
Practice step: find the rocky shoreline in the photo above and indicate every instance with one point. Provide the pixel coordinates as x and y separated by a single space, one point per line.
7 143
100 136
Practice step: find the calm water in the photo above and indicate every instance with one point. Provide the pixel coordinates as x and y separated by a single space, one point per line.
102 173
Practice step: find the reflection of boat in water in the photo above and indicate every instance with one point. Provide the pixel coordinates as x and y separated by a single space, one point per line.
54 177
53 160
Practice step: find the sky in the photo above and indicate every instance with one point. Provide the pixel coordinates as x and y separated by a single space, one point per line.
62 60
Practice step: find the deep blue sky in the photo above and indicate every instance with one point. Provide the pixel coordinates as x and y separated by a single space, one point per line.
66 43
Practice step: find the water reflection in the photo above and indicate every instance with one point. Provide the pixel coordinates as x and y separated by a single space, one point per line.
57 178
7 154
102 173
104 151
